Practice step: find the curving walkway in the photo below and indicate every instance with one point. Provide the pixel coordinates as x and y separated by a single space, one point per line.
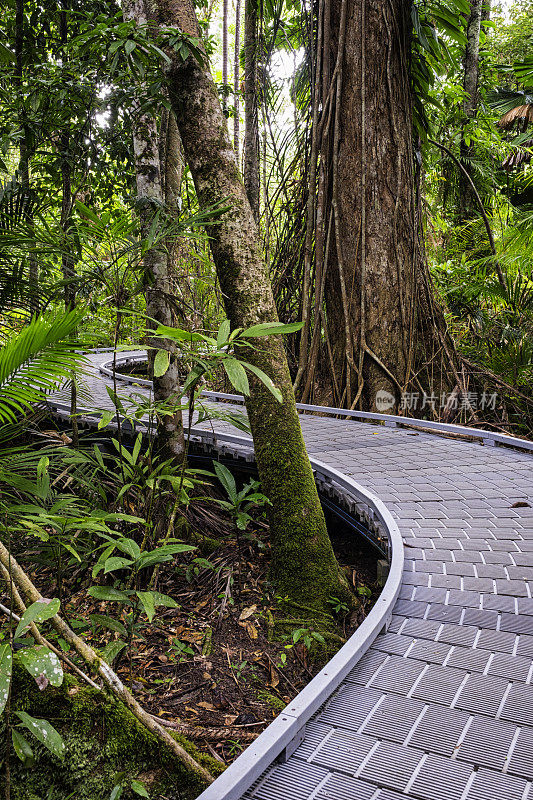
439 707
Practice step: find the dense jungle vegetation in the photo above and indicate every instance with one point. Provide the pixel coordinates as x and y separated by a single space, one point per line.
328 202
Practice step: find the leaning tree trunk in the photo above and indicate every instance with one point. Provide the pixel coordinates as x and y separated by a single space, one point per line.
303 563
158 296
466 201
251 107
370 282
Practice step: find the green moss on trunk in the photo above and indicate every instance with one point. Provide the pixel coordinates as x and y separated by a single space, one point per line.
101 739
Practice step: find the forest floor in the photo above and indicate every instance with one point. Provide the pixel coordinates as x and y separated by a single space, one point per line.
212 668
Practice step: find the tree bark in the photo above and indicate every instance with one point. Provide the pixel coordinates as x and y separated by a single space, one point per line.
237 80
370 284
467 204
303 564
156 275
251 107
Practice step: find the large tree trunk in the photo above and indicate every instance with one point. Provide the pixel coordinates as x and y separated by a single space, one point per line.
374 253
251 107
303 563
156 275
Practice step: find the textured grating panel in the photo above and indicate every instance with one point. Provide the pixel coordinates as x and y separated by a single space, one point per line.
518 706
439 684
482 694
295 779
393 643
398 675
458 634
341 787
430 652
393 718
489 785
439 730
391 765
314 733
441 779
469 659
343 751
521 762
367 666
515 668
486 743
350 706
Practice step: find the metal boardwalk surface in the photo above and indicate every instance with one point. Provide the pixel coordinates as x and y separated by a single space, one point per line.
440 707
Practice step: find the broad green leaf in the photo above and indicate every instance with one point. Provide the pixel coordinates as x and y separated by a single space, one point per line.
139 789
6 667
223 333
85 211
161 363
6 55
237 375
39 660
112 650
147 602
166 332
130 547
22 748
110 594
108 622
117 792
44 732
116 562
271 329
164 600
37 612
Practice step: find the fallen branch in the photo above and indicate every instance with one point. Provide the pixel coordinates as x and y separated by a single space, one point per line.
111 680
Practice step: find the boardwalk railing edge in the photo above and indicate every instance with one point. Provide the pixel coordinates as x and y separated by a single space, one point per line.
284 734
489 438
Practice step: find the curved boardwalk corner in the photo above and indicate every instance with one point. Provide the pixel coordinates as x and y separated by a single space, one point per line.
439 707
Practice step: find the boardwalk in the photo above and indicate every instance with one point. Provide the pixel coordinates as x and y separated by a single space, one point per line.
440 707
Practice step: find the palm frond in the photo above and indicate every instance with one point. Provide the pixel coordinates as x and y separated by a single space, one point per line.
36 361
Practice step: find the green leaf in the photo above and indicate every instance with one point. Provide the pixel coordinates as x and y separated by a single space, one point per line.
226 479
161 363
104 421
85 211
112 650
223 333
43 732
129 47
263 377
110 594
6 55
271 329
22 748
116 562
164 600
162 554
130 547
237 375
148 604
39 660
6 668
139 789
108 622
37 612
117 792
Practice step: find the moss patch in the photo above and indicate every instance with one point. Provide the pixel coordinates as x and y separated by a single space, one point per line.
102 738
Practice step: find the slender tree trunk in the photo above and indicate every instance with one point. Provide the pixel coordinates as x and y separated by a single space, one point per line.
303 563
24 148
158 292
68 263
467 204
225 14
252 180
237 80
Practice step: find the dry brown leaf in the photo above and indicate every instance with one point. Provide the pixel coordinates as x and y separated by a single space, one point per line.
207 706
274 677
247 613
229 719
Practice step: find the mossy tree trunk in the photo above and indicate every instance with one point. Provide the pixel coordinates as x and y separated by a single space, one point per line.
303 562
150 197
